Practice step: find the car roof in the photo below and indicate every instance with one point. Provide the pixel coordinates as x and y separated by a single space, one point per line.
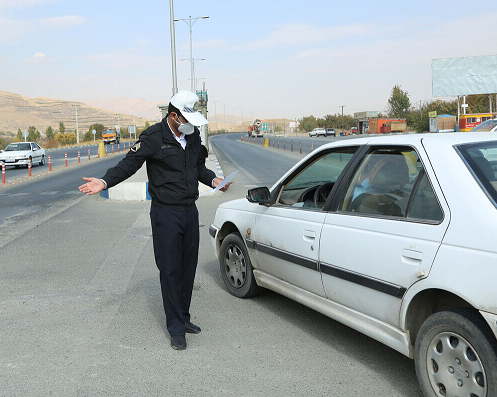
435 139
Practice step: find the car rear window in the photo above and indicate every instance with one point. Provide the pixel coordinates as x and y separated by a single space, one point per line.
481 159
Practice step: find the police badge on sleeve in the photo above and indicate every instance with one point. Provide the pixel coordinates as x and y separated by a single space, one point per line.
135 147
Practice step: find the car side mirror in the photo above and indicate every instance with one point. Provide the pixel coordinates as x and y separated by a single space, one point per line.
259 195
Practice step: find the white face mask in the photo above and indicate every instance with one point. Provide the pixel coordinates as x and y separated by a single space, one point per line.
185 128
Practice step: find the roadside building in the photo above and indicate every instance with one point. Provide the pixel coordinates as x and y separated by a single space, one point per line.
442 122
469 121
386 126
363 120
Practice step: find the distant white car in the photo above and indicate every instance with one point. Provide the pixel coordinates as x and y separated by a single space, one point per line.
19 153
486 126
317 132
393 236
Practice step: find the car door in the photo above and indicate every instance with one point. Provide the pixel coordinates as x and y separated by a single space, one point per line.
287 234
35 152
383 233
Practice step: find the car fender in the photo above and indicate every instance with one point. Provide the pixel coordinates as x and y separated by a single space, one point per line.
459 271
242 215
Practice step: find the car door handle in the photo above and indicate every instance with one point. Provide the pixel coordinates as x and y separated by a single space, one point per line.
309 235
411 254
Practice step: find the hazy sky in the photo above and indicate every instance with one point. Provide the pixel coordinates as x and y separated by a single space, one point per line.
269 58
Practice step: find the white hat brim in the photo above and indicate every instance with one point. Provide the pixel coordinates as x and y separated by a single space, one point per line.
195 118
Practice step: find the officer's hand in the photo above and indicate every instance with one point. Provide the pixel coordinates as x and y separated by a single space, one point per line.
217 181
93 186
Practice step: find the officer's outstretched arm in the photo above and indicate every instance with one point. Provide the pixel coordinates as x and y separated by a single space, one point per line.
93 186
141 151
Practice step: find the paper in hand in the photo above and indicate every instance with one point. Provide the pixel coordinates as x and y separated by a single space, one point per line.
223 183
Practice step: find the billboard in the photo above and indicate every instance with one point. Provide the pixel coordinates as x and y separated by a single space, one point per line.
464 76
365 115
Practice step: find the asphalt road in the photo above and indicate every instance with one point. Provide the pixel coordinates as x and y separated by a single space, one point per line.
57 157
43 196
81 311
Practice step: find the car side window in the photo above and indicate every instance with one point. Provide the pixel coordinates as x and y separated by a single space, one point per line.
424 204
310 187
392 182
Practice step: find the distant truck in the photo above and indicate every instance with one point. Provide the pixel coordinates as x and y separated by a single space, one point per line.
111 135
255 129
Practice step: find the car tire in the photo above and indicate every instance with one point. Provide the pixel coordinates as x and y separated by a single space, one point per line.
236 268
455 354
42 162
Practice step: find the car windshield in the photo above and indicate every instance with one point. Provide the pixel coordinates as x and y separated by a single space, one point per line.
107 131
486 126
481 159
13 147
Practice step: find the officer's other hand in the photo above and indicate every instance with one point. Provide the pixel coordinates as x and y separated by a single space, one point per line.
93 186
217 181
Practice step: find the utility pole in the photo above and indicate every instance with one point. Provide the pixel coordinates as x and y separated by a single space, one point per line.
242 120
233 119
173 48
77 129
118 121
224 118
342 106
420 110
189 22
215 113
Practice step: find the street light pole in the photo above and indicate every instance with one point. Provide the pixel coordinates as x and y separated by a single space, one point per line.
193 61
224 118
77 129
173 48
190 21
342 106
215 113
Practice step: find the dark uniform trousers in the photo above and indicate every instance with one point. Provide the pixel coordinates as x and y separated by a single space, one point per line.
176 239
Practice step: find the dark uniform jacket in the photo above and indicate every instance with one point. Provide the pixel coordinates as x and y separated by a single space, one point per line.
173 173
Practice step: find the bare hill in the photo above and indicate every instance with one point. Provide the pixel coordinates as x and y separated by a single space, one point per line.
17 111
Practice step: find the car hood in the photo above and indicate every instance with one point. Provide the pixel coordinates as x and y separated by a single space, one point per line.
16 153
240 204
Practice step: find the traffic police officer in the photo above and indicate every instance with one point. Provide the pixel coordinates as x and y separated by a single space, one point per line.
175 164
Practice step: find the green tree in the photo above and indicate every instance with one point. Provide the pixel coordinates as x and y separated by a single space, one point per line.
278 128
19 135
99 128
398 103
308 123
62 127
49 133
33 134
147 124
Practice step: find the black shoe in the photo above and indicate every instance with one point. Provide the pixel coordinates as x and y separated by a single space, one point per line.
178 342
192 328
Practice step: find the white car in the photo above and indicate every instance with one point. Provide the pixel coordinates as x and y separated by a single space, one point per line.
486 126
317 132
19 153
392 236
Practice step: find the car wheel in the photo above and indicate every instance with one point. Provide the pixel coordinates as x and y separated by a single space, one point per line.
236 268
42 162
455 354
